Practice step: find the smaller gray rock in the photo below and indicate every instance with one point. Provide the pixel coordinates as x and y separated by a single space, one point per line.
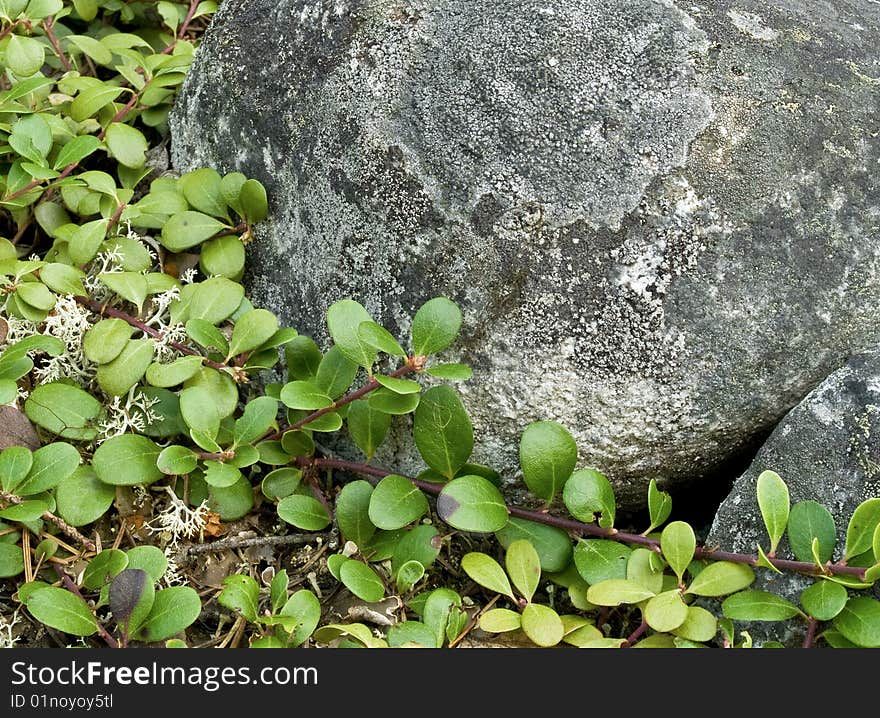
826 449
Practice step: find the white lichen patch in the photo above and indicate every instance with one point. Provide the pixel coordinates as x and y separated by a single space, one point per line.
752 25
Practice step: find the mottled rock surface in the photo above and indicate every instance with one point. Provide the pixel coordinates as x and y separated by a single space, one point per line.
826 449
660 219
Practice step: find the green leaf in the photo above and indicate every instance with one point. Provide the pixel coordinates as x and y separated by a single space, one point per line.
588 492
131 286
552 544
600 559
435 326
278 590
487 572
362 581
86 240
398 386
824 600
859 622
51 464
202 189
616 591
280 483
809 520
76 150
127 144
258 417
542 625
62 610
379 338
547 454
86 9
62 278
174 609
91 47
393 403
343 319
678 544
173 373
420 544
105 340
221 475
103 567
500 620
254 205
396 502
304 512
187 229
305 607
471 503
25 511
36 295
15 463
82 497
304 395
442 614
352 512
177 460
11 561
250 331
303 357
646 568
150 559
92 99
41 9
207 335
240 593
773 501
64 410
127 460
699 625
199 410
408 575
666 611
524 567
757 605
721 578
367 426
116 377
451 372
223 256
8 391
659 506
860 530
221 388
335 374
24 55
765 562
412 633
442 430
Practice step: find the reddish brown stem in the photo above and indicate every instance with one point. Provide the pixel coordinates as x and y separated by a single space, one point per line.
108 311
635 635
193 6
6 30
579 528
56 46
810 636
408 368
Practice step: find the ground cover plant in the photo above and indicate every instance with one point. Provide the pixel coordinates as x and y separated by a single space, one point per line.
165 476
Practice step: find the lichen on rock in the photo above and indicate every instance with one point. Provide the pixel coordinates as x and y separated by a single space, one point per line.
658 236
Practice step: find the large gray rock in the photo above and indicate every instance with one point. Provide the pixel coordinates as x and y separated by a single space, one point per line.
660 219
826 449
